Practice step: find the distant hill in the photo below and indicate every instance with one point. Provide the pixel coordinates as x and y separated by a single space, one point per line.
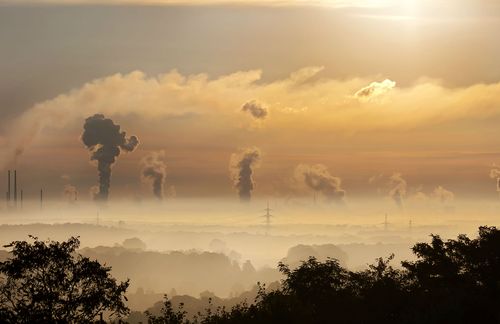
189 272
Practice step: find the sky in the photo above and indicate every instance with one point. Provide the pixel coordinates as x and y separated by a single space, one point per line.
359 96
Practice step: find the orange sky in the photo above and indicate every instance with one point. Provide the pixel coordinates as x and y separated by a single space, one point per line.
364 91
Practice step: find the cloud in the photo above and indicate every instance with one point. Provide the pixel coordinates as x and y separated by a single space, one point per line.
375 89
318 178
257 109
241 168
318 105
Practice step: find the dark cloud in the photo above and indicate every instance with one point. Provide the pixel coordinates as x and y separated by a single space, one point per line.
241 168
105 141
257 109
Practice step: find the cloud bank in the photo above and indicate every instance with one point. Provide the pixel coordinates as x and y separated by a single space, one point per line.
300 103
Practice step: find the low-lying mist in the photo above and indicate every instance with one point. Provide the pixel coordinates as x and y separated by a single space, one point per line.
222 246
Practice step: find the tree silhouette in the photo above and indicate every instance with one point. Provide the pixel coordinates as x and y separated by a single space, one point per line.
457 280
454 281
48 282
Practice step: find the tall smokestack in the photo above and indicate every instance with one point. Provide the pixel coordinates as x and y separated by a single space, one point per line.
21 198
41 199
15 188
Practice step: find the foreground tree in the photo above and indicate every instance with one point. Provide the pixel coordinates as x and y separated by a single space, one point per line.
48 282
456 280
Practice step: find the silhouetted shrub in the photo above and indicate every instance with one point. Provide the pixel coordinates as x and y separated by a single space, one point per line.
47 282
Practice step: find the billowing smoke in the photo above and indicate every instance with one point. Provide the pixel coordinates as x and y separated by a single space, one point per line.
318 178
495 174
105 141
257 109
154 169
375 89
443 195
397 190
241 168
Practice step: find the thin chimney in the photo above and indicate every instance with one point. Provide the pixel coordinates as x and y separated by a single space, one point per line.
41 199
15 188
21 198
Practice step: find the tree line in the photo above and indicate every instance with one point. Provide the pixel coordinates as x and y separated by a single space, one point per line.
450 281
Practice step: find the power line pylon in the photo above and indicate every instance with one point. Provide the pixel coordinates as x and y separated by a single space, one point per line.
267 217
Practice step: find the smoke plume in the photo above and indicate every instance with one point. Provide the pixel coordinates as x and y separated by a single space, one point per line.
318 178
257 109
154 169
398 187
443 195
495 174
241 168
105 141
71 193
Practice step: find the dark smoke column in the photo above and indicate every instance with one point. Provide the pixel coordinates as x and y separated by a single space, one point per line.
155 169
241 168
104 139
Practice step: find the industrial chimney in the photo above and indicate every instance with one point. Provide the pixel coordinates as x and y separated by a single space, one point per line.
15 188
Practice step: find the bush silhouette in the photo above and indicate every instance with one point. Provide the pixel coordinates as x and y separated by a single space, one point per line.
48 282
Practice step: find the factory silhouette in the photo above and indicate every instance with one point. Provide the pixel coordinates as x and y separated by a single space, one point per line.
11 196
